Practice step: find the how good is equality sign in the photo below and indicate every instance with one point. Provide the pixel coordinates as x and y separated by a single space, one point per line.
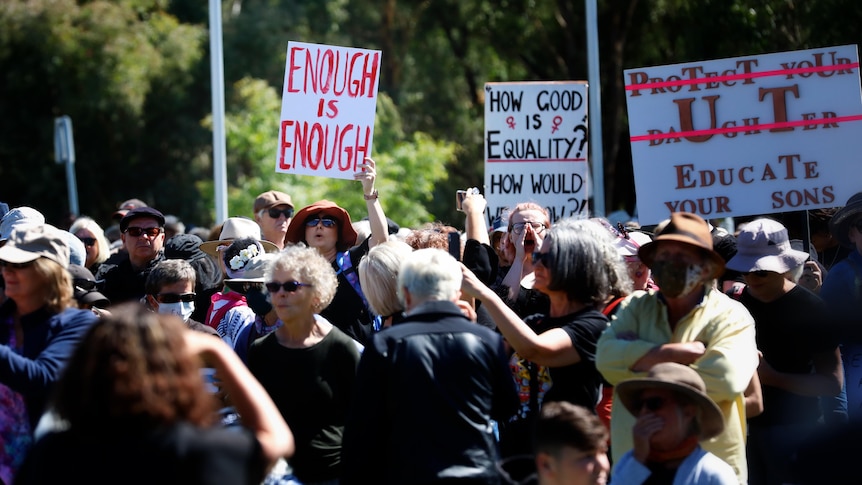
749 135
327 111
536 147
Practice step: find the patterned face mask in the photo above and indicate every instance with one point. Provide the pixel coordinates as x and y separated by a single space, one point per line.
676 278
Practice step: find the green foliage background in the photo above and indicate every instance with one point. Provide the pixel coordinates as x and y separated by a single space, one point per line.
134 77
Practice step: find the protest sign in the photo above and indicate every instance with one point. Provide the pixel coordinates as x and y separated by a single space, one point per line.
536 147
750 135
327 110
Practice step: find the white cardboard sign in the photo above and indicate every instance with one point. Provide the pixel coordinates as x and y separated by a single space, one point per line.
749 135
536 147
327 111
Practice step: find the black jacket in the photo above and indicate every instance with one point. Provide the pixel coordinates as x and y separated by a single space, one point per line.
427 390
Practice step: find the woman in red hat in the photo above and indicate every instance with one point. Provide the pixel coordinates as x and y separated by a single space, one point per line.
326 227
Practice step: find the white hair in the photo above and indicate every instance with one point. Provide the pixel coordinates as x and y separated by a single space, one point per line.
429 274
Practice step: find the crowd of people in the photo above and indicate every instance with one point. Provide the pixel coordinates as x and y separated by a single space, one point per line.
312 347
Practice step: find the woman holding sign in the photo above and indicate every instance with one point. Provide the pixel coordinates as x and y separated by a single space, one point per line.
326 227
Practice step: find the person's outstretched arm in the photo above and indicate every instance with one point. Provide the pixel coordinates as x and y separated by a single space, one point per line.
251 400
376 217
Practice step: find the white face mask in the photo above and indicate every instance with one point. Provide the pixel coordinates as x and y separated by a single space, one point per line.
182 309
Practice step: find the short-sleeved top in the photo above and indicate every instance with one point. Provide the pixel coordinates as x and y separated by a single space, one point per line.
182 454
576 383
312 388
789 332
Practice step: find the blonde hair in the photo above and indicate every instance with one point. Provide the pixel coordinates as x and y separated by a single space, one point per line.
56 284
89 224
378 276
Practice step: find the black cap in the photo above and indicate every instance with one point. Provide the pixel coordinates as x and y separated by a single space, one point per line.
138 213
184 246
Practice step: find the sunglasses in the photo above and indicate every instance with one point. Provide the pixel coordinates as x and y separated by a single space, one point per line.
518 227
88 241
759 273
140 231
652 404
276 213
288 286
544 258
7 264
175 297
326 222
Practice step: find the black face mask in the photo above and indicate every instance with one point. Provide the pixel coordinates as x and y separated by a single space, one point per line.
258 301
676 278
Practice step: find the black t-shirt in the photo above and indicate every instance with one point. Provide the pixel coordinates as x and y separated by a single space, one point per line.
312 388
789 331
576 383
183 454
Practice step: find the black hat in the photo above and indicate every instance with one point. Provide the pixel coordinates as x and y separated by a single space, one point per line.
184 246
840 223
138 213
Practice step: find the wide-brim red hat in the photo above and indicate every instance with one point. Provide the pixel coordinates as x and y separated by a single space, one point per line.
346 234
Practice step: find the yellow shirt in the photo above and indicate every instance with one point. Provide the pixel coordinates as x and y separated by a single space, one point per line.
725 328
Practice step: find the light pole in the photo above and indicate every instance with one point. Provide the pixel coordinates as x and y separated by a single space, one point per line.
64 152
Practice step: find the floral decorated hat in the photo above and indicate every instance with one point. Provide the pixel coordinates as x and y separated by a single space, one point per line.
238 256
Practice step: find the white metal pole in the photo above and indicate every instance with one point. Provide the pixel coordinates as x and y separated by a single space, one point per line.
595 110
217 79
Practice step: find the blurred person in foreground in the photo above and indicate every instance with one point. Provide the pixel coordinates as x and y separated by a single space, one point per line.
39 329
688 321
673 414
307 364
437 376
135 410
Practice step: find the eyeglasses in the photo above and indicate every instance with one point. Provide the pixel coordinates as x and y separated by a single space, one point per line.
652 404
326 222
518 227
288 286
140 231
759 273
544 258
8 265
175 297
275 213
88 241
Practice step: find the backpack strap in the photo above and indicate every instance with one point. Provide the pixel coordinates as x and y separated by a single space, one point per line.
345 267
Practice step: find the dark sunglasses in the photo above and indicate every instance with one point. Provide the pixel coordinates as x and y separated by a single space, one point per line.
140 231
652 404
175 297
7 264
759 273
544 258
326 222
275 213
88 241
288 286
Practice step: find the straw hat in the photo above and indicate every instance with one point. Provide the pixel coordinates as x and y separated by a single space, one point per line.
681 379
236 228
